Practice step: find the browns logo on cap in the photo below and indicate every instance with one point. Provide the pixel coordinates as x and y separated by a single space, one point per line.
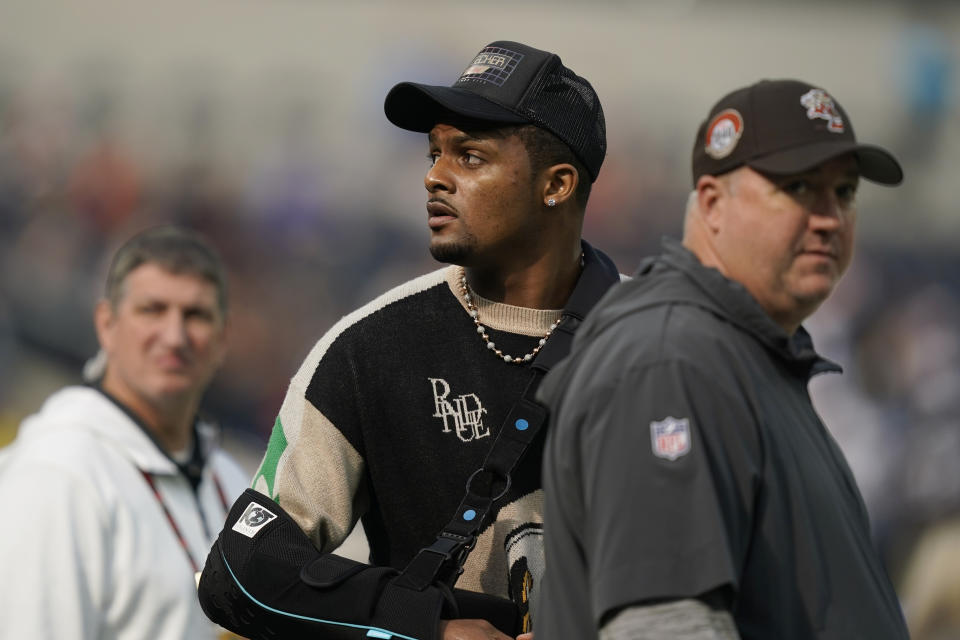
820 105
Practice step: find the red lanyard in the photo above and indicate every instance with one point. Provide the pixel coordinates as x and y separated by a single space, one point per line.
173 523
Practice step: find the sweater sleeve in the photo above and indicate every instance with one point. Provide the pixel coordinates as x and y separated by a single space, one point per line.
311 468
676 620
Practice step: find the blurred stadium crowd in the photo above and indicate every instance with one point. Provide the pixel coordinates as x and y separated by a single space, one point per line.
308 237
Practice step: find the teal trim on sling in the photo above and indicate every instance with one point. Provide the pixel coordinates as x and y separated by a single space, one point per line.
372 632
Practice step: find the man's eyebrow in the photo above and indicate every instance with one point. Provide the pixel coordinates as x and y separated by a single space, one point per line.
853 174
461 138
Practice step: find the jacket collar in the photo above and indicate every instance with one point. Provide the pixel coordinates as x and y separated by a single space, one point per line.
192 469
733 302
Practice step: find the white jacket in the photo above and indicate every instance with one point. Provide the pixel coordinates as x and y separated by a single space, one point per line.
86 550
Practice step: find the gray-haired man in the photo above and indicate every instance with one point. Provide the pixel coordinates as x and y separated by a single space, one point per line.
117 487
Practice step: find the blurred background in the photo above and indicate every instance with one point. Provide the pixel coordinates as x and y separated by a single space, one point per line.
261 125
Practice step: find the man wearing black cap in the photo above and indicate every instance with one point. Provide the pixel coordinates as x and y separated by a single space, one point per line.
400 402
691 490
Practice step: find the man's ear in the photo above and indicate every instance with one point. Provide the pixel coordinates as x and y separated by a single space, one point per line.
711 194
103 322
560 183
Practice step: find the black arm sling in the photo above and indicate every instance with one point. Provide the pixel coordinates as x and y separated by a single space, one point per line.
264 579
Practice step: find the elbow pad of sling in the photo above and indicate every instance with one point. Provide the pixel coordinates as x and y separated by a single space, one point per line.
263 578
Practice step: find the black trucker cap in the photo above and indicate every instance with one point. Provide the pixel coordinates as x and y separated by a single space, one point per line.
511 83
782 127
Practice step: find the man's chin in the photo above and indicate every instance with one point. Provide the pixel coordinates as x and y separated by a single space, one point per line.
449 253
173 386
812 296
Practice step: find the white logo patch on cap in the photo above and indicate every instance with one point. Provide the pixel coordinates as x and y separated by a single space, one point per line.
493 64
819 104
670 437
723 133
253 519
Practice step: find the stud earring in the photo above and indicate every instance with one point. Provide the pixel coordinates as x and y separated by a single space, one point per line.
551 202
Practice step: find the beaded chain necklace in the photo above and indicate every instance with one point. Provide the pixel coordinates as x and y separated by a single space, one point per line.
482 330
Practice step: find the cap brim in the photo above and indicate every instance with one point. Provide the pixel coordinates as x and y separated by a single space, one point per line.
418 107
876 164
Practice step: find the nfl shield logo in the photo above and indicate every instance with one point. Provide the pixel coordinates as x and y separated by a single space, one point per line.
670 437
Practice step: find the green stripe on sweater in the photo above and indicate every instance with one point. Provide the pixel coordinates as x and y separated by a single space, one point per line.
268 468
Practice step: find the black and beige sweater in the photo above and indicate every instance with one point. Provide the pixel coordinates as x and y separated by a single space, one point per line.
389 415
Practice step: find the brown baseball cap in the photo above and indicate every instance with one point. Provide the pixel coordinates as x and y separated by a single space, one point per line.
783 127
